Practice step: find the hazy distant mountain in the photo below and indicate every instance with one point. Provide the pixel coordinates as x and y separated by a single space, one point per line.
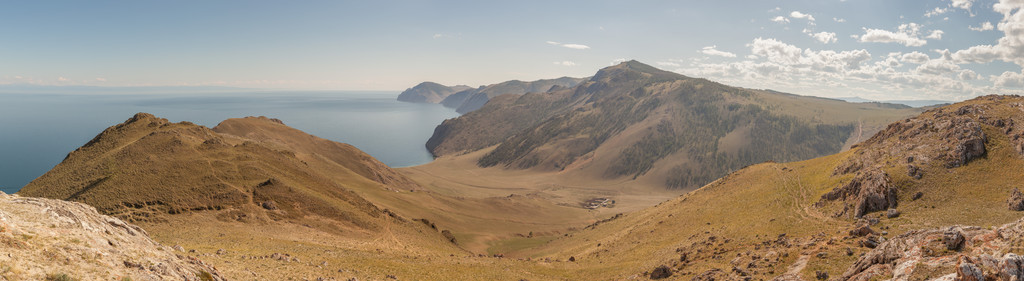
464 99
40 89
911 103
636 121
429 92
472 99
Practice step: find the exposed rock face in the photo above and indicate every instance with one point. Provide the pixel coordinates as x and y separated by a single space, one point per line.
971 142
954 253
892 213
942 138
661 272
1016 200
953 238
869 191
42 237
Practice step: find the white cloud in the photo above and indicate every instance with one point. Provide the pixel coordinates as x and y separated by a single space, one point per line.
62 79
823 37
777 65
617 61
1010 47
780 19
906 34
914 57
570 46
938 67
985 26
839 20
665 63
936 34
438 35
99 79
1008 79
711 51
968 75
787 55
962 4
775 51
799 15
935 12
565 63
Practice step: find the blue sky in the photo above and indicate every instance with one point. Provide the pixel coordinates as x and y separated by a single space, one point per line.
878 49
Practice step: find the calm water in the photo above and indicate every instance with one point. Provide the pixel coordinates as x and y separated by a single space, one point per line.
38 130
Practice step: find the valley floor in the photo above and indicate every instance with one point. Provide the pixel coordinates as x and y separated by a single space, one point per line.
558 201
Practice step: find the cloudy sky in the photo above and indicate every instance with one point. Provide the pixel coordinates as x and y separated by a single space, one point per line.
877 49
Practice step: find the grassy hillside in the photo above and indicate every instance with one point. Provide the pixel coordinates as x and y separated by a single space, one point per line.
149 170
767 220
635 121
772 219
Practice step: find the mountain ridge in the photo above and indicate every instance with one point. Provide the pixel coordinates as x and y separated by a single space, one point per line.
633 118
465 99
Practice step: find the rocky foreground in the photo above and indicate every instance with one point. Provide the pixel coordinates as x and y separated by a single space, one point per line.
950 253
58 240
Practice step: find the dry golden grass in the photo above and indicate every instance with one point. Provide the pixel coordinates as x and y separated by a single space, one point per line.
735 221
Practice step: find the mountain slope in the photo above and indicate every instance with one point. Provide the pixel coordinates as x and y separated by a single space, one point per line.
786 220
465 99
429 92
152 171
636 121
472 99
257 191
45 239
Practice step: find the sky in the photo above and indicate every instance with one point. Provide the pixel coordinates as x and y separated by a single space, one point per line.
875 49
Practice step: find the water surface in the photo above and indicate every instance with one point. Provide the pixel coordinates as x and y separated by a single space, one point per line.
38 130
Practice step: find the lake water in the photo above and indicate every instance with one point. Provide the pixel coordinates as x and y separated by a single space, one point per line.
38 130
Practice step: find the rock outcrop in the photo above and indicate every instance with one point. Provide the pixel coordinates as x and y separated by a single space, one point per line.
941 138
951 253
1016 200
869 191
48 239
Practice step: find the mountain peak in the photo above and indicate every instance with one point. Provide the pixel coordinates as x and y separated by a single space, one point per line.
635 69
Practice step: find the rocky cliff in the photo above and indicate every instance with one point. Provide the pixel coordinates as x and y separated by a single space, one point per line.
59 240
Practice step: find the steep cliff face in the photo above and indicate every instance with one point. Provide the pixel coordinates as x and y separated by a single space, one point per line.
45 239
